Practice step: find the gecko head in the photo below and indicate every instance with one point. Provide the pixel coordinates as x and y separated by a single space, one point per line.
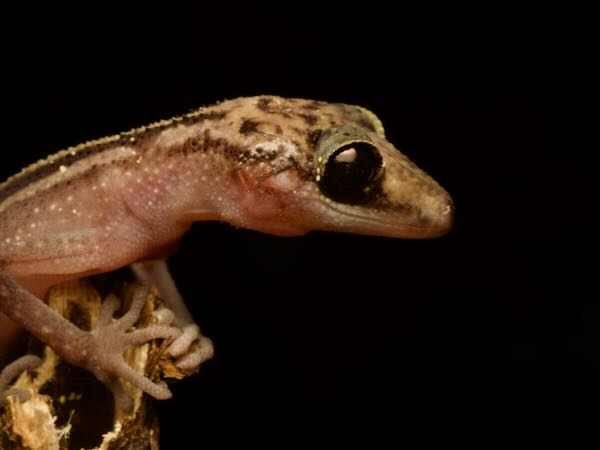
329 167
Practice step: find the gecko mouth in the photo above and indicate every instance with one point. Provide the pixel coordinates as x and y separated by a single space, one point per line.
395 226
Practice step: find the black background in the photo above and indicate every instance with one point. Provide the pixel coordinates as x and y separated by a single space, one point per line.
485 337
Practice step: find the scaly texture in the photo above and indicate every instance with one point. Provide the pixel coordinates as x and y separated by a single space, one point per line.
281 166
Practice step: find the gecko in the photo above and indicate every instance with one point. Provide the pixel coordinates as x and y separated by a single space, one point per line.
276 165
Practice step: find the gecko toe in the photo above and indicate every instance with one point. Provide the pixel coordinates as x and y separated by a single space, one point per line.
109 340
11 371
182 344
201 350
191 362
164 316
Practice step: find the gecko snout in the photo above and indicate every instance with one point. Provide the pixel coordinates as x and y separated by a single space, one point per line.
438 214
446 213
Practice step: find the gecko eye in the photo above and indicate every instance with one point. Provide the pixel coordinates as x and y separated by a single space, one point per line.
350 169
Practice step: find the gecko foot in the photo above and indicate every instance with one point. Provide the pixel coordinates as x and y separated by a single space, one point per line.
13 370
102 353
191 349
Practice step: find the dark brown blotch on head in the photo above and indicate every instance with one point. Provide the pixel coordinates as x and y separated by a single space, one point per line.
309 119
313 105
263 104
249 126
191 145
313 137
358 115
366 124
201 143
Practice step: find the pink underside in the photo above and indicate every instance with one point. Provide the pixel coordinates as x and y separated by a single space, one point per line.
263 203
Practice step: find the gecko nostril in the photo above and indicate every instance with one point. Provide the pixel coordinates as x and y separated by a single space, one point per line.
447 212
447 208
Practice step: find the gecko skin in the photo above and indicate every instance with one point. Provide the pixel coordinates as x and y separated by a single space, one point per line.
280 166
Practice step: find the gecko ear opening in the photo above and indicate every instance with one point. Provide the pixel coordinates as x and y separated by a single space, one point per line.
285 181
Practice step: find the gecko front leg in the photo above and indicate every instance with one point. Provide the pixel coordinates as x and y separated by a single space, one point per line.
191 348
100 350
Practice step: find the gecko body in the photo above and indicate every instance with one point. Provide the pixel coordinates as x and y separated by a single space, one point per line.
280 166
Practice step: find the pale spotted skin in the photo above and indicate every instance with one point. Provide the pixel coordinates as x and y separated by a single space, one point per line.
251 162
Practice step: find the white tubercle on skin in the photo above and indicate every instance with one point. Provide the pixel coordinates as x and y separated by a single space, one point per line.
262 163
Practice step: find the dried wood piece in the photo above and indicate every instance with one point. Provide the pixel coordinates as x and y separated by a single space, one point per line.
68 408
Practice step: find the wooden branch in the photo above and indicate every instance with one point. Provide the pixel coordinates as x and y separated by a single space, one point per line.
68 408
